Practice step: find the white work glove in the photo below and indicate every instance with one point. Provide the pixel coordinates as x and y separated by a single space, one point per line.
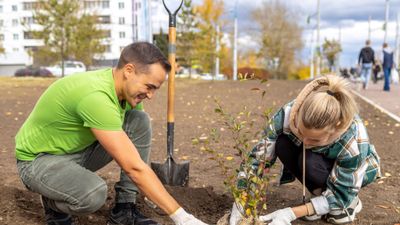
181 217
236 214
279 217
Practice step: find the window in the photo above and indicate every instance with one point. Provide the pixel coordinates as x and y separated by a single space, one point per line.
15 36
105 4
30 48
29 5
122 20
107 48
104 19
1 8
28 20
15 49
15 22
106 33
121 34
28 35
96 4
121 5
89 5
1 37
1 23
136 34
14 8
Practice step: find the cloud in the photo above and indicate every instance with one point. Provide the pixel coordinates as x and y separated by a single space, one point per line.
349 15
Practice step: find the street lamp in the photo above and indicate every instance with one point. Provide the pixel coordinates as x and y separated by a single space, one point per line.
318 50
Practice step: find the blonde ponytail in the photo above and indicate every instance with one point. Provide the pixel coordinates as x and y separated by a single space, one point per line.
330 105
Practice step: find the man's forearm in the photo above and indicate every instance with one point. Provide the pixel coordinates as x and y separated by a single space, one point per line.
152 188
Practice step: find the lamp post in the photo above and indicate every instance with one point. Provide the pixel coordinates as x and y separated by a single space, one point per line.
235 31
386 20
318 41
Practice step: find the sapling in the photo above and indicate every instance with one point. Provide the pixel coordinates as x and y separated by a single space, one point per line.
248 184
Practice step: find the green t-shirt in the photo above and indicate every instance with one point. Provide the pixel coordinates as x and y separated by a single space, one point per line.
61 119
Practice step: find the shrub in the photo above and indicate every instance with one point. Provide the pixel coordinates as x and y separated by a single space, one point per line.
248 185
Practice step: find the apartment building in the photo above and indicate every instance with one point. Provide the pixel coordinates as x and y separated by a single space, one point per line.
125 21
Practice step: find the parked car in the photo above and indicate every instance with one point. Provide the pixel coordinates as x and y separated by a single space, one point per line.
33 71
70 67
207 76
185 73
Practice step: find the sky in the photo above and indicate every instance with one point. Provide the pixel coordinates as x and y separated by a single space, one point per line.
349 15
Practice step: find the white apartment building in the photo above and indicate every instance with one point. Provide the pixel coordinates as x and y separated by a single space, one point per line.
125 21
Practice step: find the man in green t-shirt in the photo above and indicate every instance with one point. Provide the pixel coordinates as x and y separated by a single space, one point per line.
84 121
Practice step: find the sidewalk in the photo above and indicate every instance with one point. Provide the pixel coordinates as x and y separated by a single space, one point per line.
390 101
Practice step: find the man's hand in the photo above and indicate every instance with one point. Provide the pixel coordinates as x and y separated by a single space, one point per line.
279 217
236 214
181 217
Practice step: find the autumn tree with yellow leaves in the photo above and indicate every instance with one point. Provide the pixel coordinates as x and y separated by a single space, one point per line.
208 15
280 37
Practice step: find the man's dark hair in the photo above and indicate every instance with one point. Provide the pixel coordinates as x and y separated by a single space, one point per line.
367 42
142 55
385 45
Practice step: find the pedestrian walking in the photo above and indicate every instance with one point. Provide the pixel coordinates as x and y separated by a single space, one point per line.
321 140
365 62
84 121
387 65
377 71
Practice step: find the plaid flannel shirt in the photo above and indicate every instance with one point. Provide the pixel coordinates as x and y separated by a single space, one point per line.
356 161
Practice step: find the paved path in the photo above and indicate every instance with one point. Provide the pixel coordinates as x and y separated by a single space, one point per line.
389 101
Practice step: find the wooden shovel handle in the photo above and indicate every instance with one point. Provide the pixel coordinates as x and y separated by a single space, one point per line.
171 75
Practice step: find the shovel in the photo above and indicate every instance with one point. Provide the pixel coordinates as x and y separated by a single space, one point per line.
170 172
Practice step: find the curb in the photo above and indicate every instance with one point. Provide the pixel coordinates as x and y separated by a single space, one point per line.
369 101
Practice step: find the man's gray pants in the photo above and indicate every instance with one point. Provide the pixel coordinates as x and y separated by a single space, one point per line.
70 180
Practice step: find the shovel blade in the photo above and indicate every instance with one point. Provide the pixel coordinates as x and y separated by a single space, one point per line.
171 173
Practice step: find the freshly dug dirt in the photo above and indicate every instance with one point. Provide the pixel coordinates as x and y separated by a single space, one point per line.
194 116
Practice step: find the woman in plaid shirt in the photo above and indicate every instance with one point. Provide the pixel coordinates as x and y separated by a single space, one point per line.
323 125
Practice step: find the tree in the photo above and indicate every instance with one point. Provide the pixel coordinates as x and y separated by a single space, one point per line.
43 55
85 41
226 61
185 32
331 49
66 31
2 50
161 41
209 14
280 37
249 59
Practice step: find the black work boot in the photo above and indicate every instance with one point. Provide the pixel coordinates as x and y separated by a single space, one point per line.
54 217
128 214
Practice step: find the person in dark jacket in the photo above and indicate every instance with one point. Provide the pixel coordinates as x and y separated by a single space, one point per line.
366 61
387 65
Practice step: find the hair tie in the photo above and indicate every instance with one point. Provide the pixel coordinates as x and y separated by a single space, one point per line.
331 93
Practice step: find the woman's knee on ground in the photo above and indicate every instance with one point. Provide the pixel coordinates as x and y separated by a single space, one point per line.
317 169
283 147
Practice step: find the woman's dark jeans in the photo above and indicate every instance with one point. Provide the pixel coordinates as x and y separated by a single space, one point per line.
318 167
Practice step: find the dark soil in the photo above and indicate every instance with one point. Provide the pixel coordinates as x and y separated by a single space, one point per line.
194 116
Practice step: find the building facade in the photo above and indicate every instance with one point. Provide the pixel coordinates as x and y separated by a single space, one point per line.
125 21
